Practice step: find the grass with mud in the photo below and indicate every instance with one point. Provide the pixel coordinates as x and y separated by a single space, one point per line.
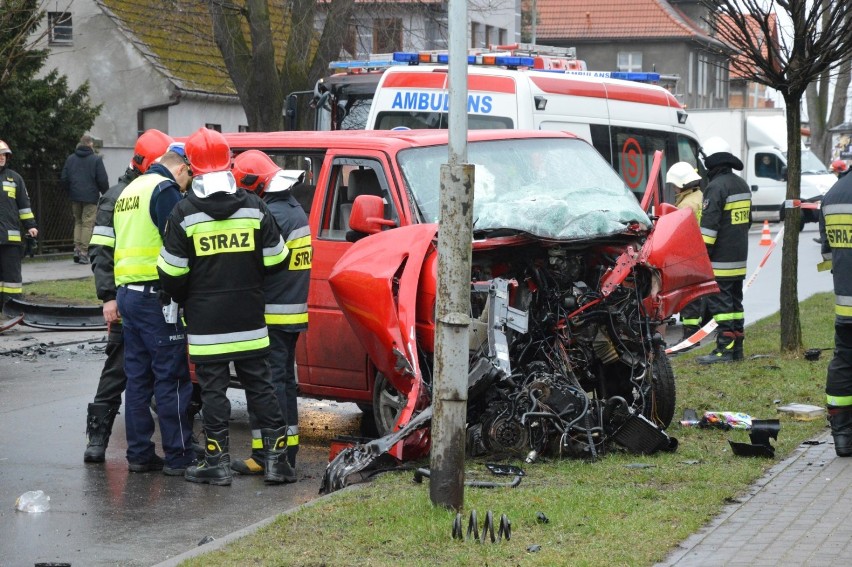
62 292
622 509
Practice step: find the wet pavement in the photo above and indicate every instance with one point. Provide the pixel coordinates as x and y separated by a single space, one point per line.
100 513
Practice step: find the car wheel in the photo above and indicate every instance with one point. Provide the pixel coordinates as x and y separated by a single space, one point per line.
663 390
387 403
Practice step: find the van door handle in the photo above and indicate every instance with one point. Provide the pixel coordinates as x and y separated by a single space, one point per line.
753 188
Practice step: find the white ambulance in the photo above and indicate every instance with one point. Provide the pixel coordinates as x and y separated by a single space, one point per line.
626 120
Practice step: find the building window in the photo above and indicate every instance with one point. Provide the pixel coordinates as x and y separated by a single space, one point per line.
242 128
474 34
387 35
702 75
629 61
489 39
217 127
350 41
502 36
59 26
721 79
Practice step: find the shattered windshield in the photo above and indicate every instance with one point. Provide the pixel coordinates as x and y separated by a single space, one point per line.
555 188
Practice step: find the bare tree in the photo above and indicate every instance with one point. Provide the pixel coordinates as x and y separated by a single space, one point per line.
818 39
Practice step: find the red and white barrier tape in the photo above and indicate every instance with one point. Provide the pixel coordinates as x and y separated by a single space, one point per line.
701 333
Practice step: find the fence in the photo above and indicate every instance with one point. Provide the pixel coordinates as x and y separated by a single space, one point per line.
52 210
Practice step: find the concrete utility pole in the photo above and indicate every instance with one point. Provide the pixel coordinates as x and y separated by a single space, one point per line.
449 392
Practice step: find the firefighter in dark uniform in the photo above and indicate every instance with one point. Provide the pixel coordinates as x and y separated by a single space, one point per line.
219 244
835 227
154 349
725 222
103 409
14 211
286 292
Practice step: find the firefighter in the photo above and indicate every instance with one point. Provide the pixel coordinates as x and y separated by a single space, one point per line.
836 233
102 411
725 222
220 243
286 292
14 210
687 184
154 350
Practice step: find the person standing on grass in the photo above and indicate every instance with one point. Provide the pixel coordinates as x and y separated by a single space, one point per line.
14 211
835 228
84 178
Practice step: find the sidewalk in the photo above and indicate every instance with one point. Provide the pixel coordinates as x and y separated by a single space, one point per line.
798 514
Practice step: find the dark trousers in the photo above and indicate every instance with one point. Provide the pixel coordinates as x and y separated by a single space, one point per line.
282 365
838 384
113 379
253 373
692 314
156 365
726 307
10 272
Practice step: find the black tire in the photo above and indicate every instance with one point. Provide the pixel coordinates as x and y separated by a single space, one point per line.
663 389
387 403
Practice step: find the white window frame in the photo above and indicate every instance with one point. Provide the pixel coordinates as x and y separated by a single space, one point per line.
60 28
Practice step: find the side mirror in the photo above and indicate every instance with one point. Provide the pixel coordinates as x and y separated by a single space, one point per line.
666 208
368 215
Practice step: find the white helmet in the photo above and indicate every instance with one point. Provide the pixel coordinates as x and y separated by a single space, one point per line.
715 145
682 174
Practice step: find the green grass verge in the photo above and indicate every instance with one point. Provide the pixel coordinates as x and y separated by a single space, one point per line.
605 512
79 291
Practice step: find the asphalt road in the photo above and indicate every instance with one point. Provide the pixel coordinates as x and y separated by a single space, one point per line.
100 514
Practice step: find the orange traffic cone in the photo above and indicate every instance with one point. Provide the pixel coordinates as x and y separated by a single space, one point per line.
765 237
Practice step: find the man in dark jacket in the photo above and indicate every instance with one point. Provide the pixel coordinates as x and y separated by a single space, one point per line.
103 409
725 222
835 228
14 211
85 179
286 292
218 246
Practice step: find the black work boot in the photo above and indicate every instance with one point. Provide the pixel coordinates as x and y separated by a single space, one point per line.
841 429
724 351
738 347
278 469
98 429
255 464
216 467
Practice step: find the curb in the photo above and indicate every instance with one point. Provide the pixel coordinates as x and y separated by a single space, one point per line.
217 544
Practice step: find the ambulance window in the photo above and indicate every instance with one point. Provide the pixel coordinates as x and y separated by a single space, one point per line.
600 140
438 120
633 155
351 177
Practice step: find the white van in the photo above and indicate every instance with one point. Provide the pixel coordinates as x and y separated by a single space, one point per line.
625 120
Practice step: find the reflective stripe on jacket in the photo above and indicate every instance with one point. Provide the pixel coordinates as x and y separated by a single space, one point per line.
137 239
835 225
725 222
287 291
14 207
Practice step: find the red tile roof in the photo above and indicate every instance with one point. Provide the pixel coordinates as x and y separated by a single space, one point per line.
610 19
740 62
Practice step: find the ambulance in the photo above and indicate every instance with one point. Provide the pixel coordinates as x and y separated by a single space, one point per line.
621 114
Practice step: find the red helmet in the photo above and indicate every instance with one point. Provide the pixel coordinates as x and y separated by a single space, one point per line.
208 151
838 166
252 169
149 146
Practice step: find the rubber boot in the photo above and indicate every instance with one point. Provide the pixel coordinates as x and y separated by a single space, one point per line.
724 351
841 429
739 353
255 464
216 467
98 428
278 469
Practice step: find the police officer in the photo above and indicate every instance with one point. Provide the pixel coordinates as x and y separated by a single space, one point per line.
725 222
219 244
154 350
14 209
102 411
286 292
836 232
687 184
